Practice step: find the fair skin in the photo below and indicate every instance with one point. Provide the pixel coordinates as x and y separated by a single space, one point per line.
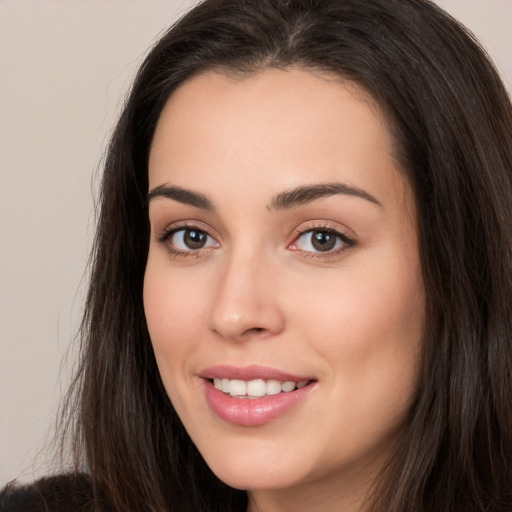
322 286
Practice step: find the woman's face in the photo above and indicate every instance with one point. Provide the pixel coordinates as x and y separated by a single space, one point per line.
283 269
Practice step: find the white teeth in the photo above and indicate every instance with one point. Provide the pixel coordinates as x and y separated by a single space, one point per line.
288 386
273 387
238 388
256 388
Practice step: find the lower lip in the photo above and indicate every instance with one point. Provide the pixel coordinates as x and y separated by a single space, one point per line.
256 411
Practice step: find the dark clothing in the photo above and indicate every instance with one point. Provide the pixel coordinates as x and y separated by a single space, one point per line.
62 493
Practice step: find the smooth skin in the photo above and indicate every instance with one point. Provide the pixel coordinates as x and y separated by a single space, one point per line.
236 277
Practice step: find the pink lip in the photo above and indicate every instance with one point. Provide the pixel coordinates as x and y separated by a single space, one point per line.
252 412
252 372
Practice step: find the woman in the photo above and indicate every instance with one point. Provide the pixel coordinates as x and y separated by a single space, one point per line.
302 277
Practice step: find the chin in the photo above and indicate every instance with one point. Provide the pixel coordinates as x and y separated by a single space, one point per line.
251 479
249 470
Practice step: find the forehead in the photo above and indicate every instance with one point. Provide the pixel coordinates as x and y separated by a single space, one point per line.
297 93
289 124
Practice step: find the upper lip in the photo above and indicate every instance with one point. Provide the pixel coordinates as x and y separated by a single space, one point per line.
251 372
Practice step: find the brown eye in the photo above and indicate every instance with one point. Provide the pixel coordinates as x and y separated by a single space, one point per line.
194 239
189 239
323 240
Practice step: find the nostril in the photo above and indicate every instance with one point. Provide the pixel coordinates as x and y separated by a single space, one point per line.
255 330
240 318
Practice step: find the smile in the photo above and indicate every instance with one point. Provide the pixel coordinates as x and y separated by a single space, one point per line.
254 395
257 388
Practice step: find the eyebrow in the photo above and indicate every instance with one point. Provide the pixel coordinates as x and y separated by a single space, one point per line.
182 196
308 193
285 200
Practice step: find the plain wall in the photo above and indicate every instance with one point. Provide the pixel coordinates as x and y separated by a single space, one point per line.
64 69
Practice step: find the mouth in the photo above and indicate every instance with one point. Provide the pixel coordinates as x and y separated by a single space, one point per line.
254 395
257 388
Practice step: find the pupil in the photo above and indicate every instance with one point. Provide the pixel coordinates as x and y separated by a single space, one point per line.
195 239
323 241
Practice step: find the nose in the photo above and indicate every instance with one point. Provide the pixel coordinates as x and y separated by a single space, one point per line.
245 305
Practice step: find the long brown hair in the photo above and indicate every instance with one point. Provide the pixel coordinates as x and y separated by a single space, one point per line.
452 122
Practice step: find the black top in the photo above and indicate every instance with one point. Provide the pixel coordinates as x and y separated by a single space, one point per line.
62 493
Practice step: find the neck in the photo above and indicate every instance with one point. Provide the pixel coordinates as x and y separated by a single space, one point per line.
347 494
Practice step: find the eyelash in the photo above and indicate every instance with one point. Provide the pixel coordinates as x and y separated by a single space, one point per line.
346 241
179 253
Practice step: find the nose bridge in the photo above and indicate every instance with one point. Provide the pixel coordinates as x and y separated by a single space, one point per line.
245 303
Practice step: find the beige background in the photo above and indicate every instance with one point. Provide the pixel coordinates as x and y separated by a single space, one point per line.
64 68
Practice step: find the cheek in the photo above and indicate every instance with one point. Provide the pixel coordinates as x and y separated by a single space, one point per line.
368 325
359 313
173 309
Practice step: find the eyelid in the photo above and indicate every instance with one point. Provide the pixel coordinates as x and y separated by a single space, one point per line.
165 232
347 241
302 230
168 232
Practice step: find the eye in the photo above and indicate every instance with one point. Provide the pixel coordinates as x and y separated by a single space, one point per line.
321 241
186 240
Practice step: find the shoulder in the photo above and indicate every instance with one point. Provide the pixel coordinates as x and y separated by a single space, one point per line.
61 493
